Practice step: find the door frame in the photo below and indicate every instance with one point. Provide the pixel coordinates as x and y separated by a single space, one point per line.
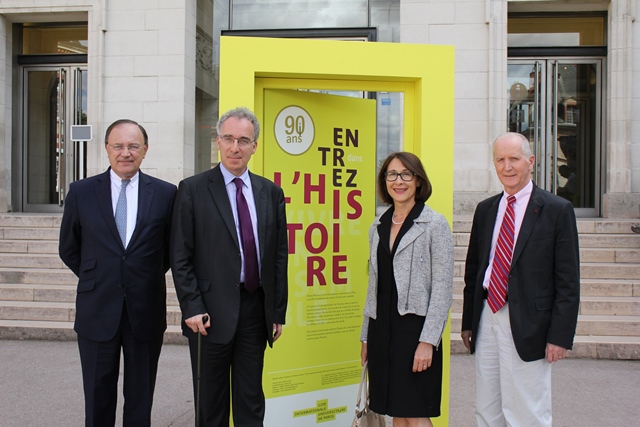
545 148
74 166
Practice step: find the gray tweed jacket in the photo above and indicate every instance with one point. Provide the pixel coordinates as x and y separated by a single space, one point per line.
423 268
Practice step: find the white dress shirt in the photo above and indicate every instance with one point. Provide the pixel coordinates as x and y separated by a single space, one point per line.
132 200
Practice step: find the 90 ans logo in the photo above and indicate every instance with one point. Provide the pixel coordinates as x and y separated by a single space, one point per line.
294 130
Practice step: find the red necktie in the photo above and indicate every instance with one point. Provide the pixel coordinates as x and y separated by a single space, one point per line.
251 274
497 293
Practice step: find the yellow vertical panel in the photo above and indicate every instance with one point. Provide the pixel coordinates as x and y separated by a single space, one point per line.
249 65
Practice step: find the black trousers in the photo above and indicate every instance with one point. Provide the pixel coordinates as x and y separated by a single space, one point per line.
100 371
234 370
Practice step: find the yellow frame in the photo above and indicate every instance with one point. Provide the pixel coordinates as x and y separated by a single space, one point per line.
424 73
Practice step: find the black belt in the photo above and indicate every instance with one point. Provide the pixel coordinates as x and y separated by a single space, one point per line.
485 295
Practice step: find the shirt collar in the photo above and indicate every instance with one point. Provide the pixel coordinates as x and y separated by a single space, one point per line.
228 176
522 195
115 179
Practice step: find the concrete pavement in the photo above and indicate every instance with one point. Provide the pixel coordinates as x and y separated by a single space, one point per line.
41 385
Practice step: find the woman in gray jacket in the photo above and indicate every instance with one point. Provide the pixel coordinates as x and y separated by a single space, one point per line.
408 298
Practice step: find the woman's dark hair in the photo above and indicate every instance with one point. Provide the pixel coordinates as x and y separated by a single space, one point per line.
414 165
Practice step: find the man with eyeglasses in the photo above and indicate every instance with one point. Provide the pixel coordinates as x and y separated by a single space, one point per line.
229 261
115 237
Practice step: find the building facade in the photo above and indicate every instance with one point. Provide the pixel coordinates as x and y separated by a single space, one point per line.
564 73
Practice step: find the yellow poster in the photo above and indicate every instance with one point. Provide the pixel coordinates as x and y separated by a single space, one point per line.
321 150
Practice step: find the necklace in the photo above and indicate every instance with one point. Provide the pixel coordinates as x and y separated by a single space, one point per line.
396 223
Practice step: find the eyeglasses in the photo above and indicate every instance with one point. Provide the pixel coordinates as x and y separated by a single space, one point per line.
405 176
243 141
134 148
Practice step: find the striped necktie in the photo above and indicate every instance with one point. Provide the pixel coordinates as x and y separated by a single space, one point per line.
497 293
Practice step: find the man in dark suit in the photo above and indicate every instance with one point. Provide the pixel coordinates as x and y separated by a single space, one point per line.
517 336
240 284
121 265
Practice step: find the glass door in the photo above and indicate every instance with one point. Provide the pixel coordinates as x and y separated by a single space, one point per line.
557 105
54 98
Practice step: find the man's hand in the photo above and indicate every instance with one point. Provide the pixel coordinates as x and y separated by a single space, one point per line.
553 353
277 331
466 339
195 323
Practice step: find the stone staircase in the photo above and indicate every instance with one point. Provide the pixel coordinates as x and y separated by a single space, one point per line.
37 292
609 317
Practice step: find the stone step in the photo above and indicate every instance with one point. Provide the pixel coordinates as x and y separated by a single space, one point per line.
58 311
34 310
607 306
601 347
62 331
630 241
57 276
588 325
20 233
462 224
588 287
29 246
608 255
21 220
610 306
588 270
54 293
30 261
39 293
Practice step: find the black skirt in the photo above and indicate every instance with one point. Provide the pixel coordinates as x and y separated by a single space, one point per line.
396 390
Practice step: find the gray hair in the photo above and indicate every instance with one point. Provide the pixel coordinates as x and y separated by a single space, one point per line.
524 142
241 113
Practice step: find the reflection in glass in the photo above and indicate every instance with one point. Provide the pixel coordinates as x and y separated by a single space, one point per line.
556 108
263 14
48 39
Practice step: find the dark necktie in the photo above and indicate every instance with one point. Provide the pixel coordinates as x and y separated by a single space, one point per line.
121 212
497 292
251 274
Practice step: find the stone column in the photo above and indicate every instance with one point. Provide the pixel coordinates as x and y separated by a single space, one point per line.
620 200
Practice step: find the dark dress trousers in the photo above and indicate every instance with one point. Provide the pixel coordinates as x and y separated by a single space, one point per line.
544 281
206 265
121 299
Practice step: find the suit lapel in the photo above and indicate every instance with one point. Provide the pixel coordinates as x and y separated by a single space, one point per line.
260 200
103 195
489 226
412 234
145 197
220 199
530 217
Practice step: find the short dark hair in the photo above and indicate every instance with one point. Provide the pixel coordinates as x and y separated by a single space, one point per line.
413 164
241 113
123 122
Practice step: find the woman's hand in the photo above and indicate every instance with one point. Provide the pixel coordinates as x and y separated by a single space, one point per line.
363 353
423 357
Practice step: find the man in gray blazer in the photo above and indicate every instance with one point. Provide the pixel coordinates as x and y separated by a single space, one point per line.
213 260
517 334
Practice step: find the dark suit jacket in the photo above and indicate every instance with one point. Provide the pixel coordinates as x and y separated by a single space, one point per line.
205 253
544 281
107 273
